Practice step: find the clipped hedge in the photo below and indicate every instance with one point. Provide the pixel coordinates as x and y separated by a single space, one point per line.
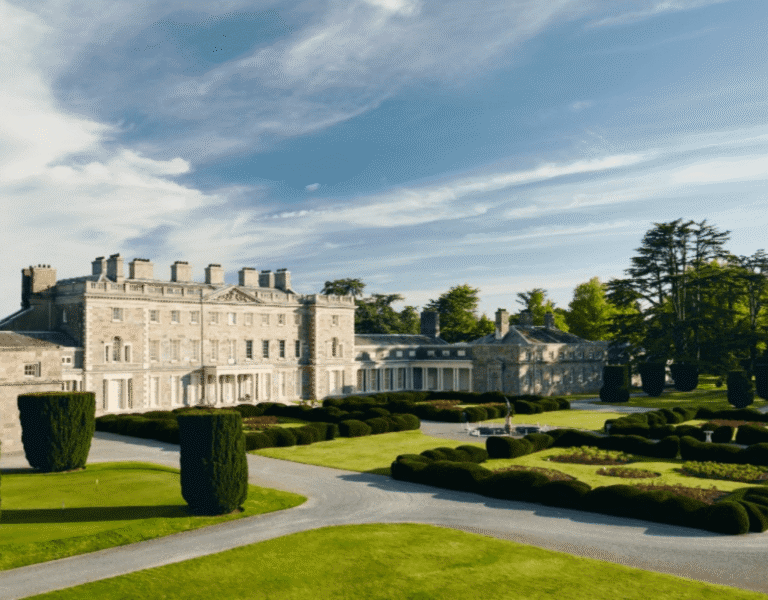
57 429
761 380
740 391
751 434
685 376
214 469
652 377
691 449
353 428
615 383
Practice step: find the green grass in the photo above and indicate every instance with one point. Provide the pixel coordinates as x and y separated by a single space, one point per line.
587 473
368 454
578 419
54 515
395 562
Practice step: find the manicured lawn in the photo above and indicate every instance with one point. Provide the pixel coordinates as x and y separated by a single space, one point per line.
587 473
369 454
392 562
578 419
54 515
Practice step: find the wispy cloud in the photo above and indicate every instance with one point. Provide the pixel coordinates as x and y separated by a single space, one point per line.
652 9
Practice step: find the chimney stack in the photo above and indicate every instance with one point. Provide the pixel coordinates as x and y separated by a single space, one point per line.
267 279
181 271
549 321
283 280
430 323
115 270
502 323
249 277
140 268
526 318
99 266
214 275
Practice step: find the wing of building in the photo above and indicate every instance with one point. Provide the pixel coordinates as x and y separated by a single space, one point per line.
140 343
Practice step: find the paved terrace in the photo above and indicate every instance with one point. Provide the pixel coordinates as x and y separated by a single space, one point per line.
338 497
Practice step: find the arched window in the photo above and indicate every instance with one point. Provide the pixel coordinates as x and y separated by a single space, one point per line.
117 349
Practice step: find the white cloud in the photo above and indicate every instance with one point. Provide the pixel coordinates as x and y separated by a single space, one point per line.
721 170
653 9
312 187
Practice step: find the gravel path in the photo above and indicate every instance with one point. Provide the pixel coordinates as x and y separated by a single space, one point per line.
340 497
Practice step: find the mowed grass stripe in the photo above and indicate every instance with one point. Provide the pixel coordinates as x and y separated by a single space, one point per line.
393 562
47 516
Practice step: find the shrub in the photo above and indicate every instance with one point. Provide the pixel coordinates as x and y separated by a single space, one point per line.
476 455
686 376
214 469
652 378
376 412
691 449
255 440
722 434
475 414
325 431
57 429
159 414
748 434
756 454
524 407
513 485
507 447
761 380
539 441
757 515
405 469
740 391
564 494
618 500
280 437
412 421
305 435
249 410
353 428
378 425
434 454
568 438
726 517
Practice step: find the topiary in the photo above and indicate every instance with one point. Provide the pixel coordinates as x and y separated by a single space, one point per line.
305 435
761 379
476 455
255 440
214 469
378 425
685 376
353 428
726 517
652 377
57 429
740 391
564 494
513 485
615 383
280 437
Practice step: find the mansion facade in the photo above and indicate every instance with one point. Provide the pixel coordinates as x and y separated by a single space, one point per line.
140 343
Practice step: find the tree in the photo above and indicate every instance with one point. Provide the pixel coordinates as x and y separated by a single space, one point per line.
376 315
344 287
664 285
536 301
458 314
590 312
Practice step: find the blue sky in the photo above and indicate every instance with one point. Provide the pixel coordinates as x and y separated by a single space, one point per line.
414 144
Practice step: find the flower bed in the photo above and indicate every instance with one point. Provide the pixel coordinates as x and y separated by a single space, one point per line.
586 455
708 496
626 473
727 472
550 474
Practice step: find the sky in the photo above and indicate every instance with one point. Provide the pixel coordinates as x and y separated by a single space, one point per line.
414 144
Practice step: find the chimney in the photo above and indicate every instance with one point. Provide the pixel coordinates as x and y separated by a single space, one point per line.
140 268
283 280
430 323
502 323
99 266
115 268
526 318
214 274
249 277
181 271
35 280
267 279
549 321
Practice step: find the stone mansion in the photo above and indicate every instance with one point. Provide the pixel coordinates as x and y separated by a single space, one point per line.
141 343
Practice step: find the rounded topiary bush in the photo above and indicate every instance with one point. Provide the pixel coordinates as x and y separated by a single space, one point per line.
476 455
652 377
615 383
280 437
353 428
727 517
255 440
378 425
214 469
325 431
740 391
761 380
513 485
563 494
507 447
685 376
411 421
57 429
305 435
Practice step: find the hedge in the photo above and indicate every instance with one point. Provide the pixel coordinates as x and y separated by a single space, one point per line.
214 469
685 376
740 391
761 380
615 383
652 376
751 434
57 429
354 428
691 449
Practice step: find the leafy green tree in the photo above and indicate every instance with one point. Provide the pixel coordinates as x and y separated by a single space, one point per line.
344 287
458 314
590 312
536 301
376 315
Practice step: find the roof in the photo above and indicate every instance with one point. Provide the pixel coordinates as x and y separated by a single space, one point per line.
533 335
35 339
396 339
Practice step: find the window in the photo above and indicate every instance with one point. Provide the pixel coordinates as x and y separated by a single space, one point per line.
117 314
249 349
32 370
214 349
281 345
249 319
297 348
430 352
175 316
335 320
399 353
127 353
297 319
265 348
232 349
154 316
154 350
66 360
461 353
214 318
281 319
411 352
231 318
195 350
117 349
446 352
335 347
194 317
130 393
107 352
175 349
63 315
265 319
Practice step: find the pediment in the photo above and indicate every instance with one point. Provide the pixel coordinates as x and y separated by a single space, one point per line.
232 294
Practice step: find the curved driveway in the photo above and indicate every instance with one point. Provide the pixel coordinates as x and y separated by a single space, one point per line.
341 497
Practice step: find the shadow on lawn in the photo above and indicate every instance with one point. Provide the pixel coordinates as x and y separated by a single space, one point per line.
22 516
